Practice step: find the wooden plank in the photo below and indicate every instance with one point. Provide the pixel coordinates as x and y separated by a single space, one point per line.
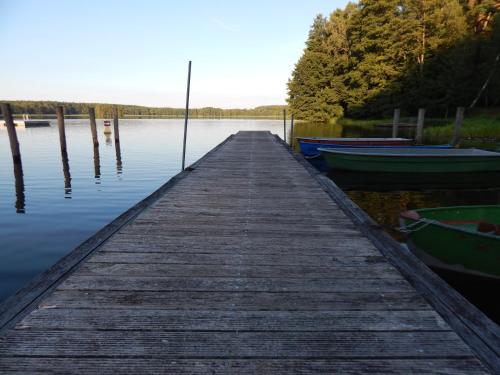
235 259
234 344
263 321
382 271
220 284
294 301
91 366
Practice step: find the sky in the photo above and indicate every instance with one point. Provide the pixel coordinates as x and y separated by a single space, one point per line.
137 51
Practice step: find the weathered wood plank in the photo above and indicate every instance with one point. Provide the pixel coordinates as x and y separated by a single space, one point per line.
381 271
234 344
235 259
263 321
298 301
91 366
220 284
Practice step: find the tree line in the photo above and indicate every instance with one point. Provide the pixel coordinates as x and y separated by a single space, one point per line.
376 55
48 108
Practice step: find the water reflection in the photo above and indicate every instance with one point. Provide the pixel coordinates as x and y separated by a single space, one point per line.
19 184
119 166
67 175
108 139
97 165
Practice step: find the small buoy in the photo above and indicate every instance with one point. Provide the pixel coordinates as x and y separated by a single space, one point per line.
107 127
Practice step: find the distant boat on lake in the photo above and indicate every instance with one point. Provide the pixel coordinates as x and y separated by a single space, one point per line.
309 146
27 122
464 239
414 160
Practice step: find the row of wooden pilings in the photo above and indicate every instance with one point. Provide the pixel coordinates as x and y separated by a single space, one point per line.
459 119
14 143
16 153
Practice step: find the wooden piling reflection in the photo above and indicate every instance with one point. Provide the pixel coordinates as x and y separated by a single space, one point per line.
97 163
119 166
67 175
19 185
115 125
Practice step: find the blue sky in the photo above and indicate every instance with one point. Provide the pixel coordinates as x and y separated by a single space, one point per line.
136 52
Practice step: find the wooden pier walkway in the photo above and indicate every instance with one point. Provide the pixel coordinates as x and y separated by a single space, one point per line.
244 265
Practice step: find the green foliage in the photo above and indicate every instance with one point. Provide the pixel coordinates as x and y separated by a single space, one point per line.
105 110
376 55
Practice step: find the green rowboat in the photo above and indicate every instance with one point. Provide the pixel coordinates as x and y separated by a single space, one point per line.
464 239
412 160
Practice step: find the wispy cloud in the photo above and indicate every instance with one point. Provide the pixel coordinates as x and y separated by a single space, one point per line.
223 25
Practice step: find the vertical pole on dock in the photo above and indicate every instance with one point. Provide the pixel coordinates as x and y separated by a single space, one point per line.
420 126
395 122
186 116
62 131
291 131
459 119
11 130
115 125
93 126
284 125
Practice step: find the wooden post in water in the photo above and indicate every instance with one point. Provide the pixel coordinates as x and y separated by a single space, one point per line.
291 131
284 125
186 117
459 119
395 122
11 130
420 126
93 126
62 131
115 125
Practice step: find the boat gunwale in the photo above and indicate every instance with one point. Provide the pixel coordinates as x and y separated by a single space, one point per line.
450 226
354 139
389 152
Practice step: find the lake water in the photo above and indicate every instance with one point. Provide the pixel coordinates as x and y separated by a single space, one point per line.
54 206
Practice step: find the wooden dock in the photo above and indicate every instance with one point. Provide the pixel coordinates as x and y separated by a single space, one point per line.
245 263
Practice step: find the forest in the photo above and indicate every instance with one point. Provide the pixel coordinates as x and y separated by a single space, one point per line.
377 55
48 108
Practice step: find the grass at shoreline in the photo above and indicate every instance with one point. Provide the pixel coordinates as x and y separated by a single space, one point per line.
479 126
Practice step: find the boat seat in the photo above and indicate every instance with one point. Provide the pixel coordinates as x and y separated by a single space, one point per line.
485 227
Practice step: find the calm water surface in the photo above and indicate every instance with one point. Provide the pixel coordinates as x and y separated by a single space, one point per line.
54 205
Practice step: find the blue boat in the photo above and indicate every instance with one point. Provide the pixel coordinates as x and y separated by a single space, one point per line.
309 146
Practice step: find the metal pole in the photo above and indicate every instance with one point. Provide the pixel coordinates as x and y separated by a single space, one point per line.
284 125
459 119
395 123
11 130
186 116
291 131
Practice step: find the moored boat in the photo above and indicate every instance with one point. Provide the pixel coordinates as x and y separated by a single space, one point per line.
411 160
309 146
464 239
